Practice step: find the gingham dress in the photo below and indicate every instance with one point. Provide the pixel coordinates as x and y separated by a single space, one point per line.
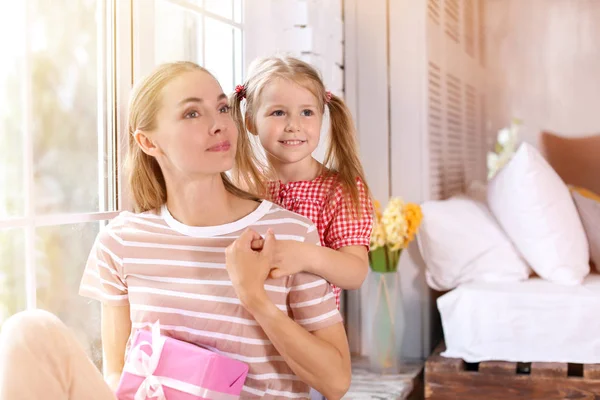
321 200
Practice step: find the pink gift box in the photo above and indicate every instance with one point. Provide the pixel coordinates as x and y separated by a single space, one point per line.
163 368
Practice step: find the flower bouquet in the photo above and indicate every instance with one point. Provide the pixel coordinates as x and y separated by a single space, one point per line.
393 230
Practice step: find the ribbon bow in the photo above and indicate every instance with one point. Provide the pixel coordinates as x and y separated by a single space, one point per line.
142 364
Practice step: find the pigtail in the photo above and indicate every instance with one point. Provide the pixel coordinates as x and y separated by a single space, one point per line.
246 173
342 152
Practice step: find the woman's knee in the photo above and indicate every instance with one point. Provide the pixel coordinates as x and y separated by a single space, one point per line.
31 322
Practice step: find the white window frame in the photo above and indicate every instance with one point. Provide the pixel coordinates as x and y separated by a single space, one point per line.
143 61
119 64
107 193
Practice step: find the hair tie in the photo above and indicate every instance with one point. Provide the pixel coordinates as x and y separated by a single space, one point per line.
240 91
328 97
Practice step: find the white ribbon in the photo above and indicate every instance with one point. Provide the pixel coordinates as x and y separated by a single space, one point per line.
141 364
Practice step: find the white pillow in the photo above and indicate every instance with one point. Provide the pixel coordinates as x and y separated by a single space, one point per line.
461 242
535 209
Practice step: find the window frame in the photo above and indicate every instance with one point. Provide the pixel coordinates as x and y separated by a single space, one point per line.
30 221
119 64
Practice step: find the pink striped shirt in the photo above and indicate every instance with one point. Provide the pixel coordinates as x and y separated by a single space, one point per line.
175 273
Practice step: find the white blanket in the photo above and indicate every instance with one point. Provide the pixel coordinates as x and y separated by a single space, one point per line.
530 321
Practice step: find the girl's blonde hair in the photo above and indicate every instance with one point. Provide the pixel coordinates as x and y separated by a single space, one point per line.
342 150
146 180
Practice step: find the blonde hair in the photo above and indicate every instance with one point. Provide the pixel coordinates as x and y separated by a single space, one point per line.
146 180
342 150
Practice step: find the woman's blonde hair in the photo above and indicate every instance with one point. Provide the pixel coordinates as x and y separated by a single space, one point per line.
146 180
342 150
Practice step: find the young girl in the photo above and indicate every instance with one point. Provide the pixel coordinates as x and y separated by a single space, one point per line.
185 258
285 104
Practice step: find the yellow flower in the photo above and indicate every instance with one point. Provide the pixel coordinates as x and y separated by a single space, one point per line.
378 236
377 208
394 223
413 216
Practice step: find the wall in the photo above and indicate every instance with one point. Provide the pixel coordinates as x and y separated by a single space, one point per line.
384 65
544 65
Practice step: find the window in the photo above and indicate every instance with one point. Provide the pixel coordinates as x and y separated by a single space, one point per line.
65 76
56 183
208 32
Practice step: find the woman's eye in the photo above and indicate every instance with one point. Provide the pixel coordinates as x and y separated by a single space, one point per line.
192 114
307 113
225 109
277 113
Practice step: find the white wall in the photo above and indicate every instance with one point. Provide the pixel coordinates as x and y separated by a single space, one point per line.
384 88
544 65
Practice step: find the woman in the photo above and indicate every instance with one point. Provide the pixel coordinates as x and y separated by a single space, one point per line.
185 258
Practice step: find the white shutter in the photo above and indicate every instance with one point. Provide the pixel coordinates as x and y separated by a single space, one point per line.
434 10
452 19
484 136
454 174
472 135
481 32
457 140
436 130
469 27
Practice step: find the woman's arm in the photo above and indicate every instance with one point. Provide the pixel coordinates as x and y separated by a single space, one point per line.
116 327
346 267
321 359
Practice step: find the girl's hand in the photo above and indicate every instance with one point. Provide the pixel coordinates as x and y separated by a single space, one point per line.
289 258
248 269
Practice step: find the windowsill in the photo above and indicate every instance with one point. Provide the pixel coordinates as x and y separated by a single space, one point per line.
367 385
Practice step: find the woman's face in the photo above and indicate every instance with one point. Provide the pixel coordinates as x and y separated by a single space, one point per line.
195 134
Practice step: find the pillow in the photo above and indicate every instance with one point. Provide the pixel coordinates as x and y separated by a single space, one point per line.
575 159
588 205
461 242
535 209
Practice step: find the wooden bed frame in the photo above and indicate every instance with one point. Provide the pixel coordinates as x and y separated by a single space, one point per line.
452 378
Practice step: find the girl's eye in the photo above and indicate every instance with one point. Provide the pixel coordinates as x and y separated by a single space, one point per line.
307 113
192 114
225 109
277 113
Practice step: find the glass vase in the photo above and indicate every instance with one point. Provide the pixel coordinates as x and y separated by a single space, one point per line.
385 316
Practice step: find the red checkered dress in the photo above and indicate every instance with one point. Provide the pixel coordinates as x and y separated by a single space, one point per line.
321 201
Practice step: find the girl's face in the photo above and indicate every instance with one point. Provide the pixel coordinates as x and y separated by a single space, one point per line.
288 121
195 134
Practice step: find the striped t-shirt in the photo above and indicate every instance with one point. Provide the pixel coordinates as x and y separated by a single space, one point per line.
176 274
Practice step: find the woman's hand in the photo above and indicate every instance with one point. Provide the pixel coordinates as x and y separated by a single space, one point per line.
248 268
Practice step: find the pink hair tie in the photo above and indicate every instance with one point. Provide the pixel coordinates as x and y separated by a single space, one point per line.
328 97
240 90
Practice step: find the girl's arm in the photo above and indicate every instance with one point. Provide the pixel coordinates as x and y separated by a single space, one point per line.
116 327
321 358
346 268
